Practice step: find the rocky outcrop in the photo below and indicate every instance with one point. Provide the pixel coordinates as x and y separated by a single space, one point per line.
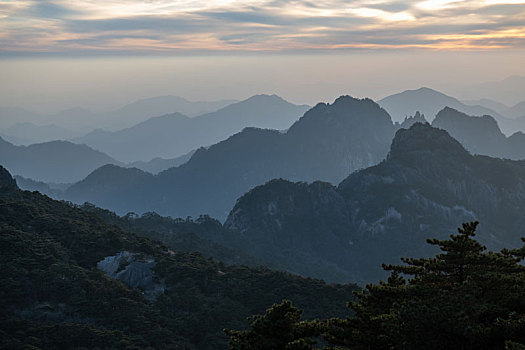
134 270
409 121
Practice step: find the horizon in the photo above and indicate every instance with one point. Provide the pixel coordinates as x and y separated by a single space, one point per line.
103 84
57 54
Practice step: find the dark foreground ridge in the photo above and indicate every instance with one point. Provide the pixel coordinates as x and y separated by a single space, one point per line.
71 280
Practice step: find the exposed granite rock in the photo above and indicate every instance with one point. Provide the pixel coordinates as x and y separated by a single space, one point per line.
134 270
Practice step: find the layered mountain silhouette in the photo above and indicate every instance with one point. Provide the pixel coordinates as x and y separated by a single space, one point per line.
490 104
13 115
517 111
54 161
29 133
76 119
173 135
480 135
509 90
427 186
139 111
329 142
156 165
62 162
430 102
81 119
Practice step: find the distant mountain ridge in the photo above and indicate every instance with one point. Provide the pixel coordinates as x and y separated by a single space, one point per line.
510 90
327 143
480 135
427 185
430 102
490 104
173 135
517 111
54 161
81 120
139 111
157 165
42 166
29 133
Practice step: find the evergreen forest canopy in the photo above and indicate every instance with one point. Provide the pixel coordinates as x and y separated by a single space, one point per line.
70 280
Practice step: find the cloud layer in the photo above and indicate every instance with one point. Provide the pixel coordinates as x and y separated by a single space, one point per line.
135 26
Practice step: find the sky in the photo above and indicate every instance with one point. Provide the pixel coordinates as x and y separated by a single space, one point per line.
101 54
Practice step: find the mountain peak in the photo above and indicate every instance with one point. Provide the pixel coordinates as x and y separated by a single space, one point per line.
344 114
423 139
350 99
264 98
450 115
422 91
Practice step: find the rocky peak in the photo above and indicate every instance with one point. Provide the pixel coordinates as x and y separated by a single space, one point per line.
423 139
345 111
409 121
450 117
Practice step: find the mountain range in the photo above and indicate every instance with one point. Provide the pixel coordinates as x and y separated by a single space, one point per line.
429 102
72 280
329 142
427 185
54 161
508 91
77 121
516 111
64 162
424 180
173 135
157 164
139 111
480 135
29 133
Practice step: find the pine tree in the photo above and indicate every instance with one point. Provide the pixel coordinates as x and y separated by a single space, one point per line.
280 328
463 298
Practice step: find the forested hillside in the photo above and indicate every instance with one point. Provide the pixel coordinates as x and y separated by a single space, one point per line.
71 280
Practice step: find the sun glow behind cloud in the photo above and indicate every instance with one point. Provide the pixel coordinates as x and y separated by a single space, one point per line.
133 26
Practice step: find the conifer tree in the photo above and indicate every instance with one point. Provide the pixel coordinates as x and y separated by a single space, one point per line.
463 298
280 328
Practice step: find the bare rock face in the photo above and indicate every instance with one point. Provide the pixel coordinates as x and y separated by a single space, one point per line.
134 270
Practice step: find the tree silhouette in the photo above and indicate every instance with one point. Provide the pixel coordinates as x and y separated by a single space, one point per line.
279 328
463 298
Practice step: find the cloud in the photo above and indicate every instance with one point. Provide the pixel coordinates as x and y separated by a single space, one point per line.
60 26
